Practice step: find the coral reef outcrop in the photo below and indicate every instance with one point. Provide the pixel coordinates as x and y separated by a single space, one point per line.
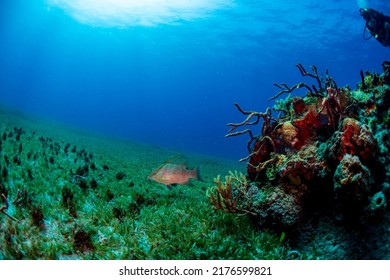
328 150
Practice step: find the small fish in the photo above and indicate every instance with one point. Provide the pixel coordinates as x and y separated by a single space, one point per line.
174 173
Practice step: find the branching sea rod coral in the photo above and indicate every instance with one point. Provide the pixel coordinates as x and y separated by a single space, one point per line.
229 195
328 144
319 112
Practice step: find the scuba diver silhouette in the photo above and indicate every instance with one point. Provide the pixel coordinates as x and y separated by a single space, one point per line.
377 24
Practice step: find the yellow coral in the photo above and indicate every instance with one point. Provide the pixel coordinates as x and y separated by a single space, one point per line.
289 132
222 197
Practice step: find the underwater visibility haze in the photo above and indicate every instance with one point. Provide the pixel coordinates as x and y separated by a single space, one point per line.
168 72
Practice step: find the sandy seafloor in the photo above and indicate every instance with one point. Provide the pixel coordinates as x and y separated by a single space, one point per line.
96 202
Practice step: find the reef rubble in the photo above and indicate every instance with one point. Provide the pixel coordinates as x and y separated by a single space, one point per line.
326 152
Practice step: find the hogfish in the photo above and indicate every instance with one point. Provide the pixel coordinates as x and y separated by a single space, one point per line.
174 173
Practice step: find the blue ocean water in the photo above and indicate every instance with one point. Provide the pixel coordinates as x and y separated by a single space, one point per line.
167 72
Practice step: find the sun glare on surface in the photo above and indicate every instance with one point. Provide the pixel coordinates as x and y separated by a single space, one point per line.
127 13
